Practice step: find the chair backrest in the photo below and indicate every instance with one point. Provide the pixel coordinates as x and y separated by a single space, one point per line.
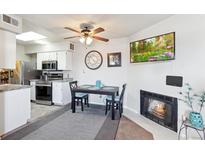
73 85
122 93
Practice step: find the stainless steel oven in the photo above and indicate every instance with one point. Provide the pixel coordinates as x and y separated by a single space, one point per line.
44 92
49 65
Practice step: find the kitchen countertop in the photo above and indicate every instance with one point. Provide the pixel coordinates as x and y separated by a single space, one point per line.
34 80
10 87
64 80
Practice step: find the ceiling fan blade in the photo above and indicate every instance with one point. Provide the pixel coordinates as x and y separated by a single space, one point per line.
100 38
72 29
98 30
71 37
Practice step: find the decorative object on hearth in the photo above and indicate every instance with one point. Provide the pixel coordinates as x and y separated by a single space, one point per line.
114 59
86 34
190 99
158 48
93 60
196 119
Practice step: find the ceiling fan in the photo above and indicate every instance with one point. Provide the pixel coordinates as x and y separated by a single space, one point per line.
86 34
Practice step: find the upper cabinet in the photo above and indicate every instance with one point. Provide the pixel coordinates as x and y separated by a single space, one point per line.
10 25
45 56
40 58
59 51
52 56
64 59
7 50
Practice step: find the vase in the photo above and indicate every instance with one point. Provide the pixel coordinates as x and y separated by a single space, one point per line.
196 119
98 84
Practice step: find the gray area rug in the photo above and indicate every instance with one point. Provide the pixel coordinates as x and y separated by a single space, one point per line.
71 126
38 111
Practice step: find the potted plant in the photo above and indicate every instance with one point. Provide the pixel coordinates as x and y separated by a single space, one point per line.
190 99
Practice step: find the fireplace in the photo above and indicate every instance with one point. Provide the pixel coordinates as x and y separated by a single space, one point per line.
159 108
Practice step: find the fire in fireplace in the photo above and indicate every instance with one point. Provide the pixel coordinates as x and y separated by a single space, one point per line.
159 108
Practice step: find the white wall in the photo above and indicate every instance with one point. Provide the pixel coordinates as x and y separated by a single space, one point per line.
190 61
21 53
151 76
115 76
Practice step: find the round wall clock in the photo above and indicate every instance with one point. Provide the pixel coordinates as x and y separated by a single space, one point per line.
93 60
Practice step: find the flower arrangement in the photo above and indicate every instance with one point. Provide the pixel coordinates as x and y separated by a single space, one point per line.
190 98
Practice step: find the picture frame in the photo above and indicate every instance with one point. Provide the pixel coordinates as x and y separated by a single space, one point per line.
152 49
114 59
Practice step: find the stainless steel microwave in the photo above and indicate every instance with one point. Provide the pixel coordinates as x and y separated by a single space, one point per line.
49 65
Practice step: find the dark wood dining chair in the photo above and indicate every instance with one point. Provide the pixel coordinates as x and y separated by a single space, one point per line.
79 97
118 104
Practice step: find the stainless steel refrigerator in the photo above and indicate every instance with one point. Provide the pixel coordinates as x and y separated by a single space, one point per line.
24 72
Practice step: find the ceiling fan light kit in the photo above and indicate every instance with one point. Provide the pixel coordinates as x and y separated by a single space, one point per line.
86 40
87 35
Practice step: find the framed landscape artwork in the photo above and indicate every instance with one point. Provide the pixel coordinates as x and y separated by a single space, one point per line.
158 48
114 59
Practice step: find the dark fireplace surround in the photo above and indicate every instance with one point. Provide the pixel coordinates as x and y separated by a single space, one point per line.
159 108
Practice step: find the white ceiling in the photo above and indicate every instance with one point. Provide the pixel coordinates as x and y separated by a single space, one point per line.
115 26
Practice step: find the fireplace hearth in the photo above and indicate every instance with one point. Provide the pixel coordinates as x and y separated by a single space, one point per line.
159 108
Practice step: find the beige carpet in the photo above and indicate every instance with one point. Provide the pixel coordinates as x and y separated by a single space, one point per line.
128 130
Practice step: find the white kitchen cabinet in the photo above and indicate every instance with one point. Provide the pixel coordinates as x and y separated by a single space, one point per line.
64 59
39 61
45 56
61 93
52 56
7 50
15 109
33 90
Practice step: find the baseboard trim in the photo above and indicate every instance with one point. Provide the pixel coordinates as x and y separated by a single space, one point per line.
130 110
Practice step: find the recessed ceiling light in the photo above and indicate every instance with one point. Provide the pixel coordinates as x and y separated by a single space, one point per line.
30 36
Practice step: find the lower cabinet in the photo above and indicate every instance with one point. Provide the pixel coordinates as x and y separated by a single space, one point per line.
33 90
61 94
15 109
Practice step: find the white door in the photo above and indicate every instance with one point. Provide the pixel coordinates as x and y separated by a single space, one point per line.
64 60
52 56
40 58
39 61
61 93
61 58
7 50
57 93
33 90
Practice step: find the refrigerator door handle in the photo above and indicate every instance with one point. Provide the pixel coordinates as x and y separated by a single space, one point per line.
22 73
